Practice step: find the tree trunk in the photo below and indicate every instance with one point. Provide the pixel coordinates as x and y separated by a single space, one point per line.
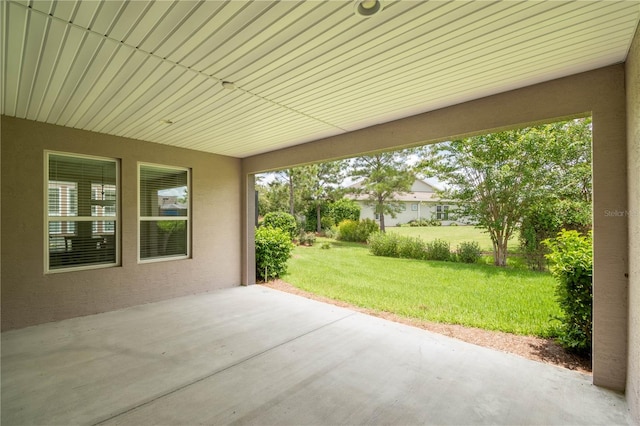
500 253
318 219
382 222
291 196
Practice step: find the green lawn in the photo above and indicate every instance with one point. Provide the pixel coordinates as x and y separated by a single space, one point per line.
454 234
510 300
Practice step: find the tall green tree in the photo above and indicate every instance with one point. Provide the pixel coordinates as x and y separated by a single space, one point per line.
297 183
567 202
491 178
495 179
272 197
323 186
298 189
383 176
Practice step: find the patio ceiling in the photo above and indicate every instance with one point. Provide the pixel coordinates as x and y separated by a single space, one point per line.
302 70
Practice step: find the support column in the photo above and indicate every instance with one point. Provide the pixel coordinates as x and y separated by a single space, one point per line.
248 275
610 255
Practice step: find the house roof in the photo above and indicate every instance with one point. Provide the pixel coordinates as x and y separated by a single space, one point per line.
301 70
421 192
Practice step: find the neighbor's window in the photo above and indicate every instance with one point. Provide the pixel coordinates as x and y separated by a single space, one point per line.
81 220
442 212
414 207
164 212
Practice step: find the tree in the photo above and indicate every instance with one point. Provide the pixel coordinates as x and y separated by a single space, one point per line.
491 178
272 197
494 179
384 175
322 186
567 203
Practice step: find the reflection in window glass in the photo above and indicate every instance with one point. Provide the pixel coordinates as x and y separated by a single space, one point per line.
81 221
164 212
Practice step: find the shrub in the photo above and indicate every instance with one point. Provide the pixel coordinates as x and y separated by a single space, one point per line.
424 222
545 220
344 209
468 252
383 244
365 228
325 246
306 238
347 230
311 218
411 248
571 264
331 232
273 249
394 245
438 250
350 230
281 220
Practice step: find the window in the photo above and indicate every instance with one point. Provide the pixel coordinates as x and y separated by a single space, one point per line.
414 207
442 212
163 212
81 226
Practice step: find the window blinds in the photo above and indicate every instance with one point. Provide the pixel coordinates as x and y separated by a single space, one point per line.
163 212
81 211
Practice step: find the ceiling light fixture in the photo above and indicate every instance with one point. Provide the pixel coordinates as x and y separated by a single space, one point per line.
228 85
367 8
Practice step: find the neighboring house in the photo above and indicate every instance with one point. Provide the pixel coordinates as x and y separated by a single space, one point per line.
422 202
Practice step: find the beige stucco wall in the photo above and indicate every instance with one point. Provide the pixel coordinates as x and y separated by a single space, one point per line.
633 149
29 296
600 92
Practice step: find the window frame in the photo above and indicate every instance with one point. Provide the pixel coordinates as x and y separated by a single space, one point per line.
72 220
186 218
442 212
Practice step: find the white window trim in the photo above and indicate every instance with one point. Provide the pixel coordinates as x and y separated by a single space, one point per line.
115 218
159 218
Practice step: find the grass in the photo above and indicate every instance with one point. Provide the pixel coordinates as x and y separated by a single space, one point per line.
454 234
511 300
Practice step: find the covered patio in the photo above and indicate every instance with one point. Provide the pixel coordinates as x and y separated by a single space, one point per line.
112 109
253 355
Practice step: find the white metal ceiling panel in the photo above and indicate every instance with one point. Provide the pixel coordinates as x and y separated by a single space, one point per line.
152 70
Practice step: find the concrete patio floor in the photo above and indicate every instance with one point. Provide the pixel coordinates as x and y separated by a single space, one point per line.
253 355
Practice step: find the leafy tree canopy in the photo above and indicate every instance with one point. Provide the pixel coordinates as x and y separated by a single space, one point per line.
495 178
383 176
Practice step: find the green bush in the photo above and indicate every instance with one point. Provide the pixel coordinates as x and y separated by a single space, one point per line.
273 249
411 248
331 232
394 245
306 238
545 220
383 244
311 218
343 209
424 222
281 220
571 264
438 250
350 230
468 252
331 214
347 230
